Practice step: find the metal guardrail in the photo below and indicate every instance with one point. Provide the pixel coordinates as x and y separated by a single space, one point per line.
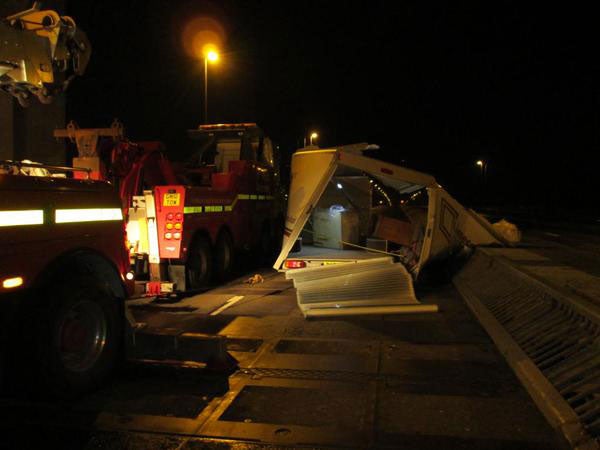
560 340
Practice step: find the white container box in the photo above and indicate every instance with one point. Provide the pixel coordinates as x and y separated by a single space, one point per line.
332 226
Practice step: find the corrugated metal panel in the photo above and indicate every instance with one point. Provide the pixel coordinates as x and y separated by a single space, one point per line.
334 270
376 286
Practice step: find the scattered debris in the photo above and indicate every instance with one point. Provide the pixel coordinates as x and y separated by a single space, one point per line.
255 279
508 231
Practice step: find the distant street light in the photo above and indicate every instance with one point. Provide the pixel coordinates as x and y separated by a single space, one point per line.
213 57
313 136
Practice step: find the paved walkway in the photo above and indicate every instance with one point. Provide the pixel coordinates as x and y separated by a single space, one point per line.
425 381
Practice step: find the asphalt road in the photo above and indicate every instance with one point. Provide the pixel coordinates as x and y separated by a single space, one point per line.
414 381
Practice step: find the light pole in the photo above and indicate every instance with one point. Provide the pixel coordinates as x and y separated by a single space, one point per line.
313 136
213 57
483 167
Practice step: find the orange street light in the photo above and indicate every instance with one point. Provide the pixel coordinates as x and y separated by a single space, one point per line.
213 57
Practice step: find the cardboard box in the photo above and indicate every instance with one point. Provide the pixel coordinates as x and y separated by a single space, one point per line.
377 244
394 230
331 227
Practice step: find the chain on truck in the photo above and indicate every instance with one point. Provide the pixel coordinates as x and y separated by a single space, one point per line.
64 266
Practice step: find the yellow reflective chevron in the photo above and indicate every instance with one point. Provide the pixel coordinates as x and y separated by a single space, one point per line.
226 208
87 215
24 217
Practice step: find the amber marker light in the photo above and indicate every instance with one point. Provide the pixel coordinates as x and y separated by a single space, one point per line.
11 283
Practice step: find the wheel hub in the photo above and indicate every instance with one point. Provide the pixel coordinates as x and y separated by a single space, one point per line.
81 335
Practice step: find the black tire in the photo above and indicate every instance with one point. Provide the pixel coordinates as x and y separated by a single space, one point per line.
199 263
78 337
224 257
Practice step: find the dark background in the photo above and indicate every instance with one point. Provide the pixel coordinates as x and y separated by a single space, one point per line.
435 85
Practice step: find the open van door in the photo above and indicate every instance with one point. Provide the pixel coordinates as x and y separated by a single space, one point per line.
311 171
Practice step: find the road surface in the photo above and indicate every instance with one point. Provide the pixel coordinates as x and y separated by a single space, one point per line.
416 381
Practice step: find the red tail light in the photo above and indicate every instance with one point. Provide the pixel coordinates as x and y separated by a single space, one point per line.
295 264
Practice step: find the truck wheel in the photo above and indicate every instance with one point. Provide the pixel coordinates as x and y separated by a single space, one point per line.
224 256
199 263
78 340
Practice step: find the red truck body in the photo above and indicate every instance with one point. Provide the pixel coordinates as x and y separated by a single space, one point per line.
27 250
64 274
224 195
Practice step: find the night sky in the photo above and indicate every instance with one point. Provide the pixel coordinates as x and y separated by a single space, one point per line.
435 85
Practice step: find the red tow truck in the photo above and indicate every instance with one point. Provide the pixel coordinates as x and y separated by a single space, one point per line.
64 260
187 221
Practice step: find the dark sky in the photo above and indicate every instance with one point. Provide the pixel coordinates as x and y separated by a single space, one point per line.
436 85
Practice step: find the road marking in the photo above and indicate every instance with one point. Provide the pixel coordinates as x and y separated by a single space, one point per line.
228 304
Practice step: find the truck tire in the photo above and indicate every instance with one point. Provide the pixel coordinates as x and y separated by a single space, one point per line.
224 256
198 267
78 339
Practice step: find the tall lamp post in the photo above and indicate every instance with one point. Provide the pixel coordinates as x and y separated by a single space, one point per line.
483 167
313 136
213 57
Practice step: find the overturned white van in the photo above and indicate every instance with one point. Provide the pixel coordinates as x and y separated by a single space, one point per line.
362 230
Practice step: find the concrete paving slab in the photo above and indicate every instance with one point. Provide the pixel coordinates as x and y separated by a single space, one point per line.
398 351
464 378
323 412
254 326
469 418
269 305
337 328
356 356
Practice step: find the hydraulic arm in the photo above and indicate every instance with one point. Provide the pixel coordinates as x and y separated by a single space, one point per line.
40 53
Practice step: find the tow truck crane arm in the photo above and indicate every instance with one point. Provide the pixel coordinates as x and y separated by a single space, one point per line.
40 53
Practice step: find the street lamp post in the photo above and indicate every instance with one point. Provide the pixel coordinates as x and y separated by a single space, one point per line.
313 136
483 167
213 57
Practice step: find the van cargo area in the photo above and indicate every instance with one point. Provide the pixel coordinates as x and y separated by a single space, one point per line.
348 209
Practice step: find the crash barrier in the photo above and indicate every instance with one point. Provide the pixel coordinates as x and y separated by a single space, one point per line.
550 340
374 286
